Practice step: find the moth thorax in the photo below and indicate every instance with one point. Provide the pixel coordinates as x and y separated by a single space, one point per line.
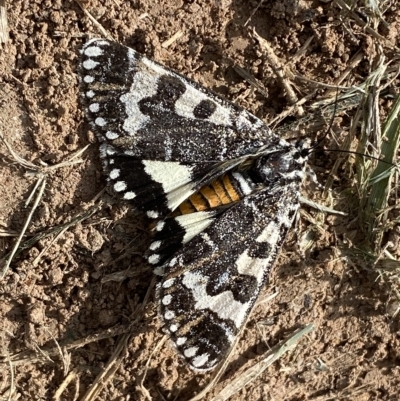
275 166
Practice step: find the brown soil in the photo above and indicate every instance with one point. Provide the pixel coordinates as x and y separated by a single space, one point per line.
88 287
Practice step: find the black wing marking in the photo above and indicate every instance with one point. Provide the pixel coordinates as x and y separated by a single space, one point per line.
163 137
211 284
153 113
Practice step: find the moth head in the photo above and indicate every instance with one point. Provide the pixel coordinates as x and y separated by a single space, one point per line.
287 161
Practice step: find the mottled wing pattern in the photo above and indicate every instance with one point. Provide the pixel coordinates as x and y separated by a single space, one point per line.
164 138
220 274
161 133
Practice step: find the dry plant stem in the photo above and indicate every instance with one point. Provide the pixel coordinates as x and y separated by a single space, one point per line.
360 22
30 356
17 157
352 64
303 49
321 208
253 12
3 22
279 70
291 109
109 371
46 248
12 386
42 180
251 80
65 361
57 229
68 379
98 26
322 85
249 375
116 358
172 39
221 369
155 349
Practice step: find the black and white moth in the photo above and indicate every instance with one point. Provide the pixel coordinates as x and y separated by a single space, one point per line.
222 188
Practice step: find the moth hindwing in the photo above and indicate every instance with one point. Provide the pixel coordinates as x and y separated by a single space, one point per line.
222 188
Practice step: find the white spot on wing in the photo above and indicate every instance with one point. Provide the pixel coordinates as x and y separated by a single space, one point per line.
90 94
160 225
181 340
173 328
97 42
89 64
190 352
200 360
153 259
100 121
152 214
154 245
94 107
111 135
120 186
88 79
114 173
129 195
168 283
169 314
93 51
167 299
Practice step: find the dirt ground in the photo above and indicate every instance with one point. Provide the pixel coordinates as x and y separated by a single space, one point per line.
77 308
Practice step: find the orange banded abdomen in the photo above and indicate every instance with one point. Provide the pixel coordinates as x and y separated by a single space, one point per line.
223 191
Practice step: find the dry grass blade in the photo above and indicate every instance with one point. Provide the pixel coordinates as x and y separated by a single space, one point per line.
109 371
172 39
256 370
144 390
12 385
342 4
3 22
119 353
371 141
321 208
280 71
63 386
41 173
46 353
381 177
25 227
251 80
20 160
55 230
97 25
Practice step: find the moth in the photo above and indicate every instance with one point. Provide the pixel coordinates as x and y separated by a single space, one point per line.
221 187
